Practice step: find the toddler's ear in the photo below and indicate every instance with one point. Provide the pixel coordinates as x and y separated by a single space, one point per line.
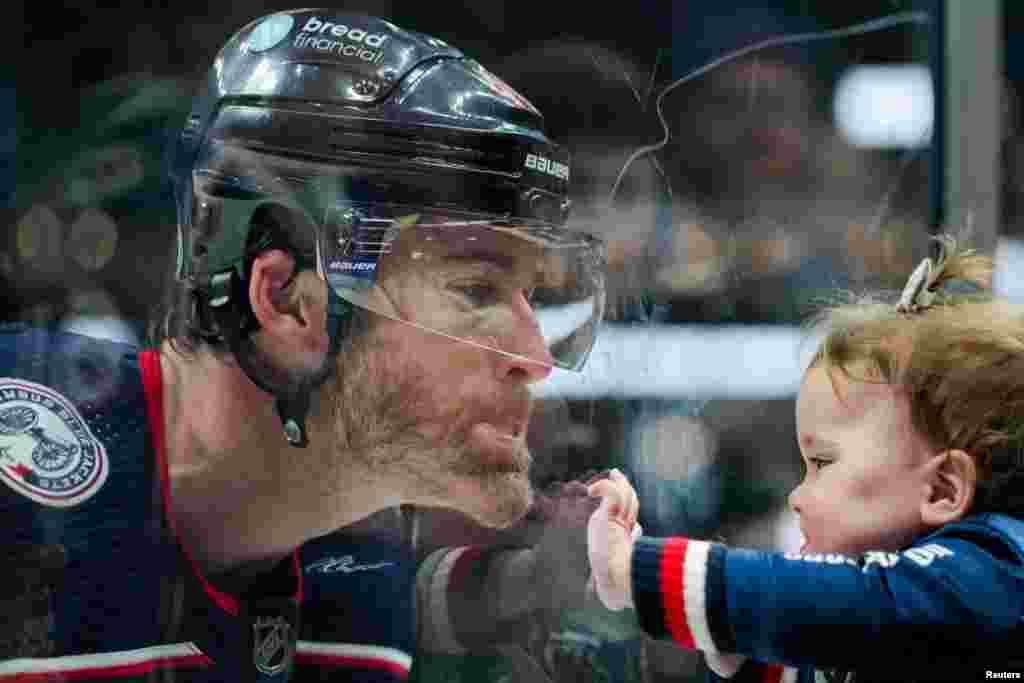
952 480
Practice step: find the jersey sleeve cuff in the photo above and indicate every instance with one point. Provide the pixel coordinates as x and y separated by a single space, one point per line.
677 590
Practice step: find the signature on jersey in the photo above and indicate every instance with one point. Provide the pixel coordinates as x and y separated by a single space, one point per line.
346 564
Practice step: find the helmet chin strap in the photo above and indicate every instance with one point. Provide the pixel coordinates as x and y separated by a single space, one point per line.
292 397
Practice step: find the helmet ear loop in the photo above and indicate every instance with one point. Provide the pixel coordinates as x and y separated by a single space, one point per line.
293 406
291 402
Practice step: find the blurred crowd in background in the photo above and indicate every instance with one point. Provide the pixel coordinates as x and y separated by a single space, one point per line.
756 208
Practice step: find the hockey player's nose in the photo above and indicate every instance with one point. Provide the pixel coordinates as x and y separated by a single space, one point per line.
528 358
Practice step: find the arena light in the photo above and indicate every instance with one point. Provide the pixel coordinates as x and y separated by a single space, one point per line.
885 106
39 238
92 239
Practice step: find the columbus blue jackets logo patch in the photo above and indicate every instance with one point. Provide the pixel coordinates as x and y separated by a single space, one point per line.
47 452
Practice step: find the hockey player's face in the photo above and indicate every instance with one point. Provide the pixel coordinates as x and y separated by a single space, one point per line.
447 417
865 466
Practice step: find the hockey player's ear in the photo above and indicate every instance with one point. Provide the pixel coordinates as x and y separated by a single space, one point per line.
291 307
269 282
952 478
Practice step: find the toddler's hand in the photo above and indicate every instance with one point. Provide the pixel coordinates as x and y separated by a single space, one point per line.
611 532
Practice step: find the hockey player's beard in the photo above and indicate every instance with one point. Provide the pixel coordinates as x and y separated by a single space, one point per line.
377 409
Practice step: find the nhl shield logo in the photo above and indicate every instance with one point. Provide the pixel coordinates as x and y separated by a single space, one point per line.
47 452
273 644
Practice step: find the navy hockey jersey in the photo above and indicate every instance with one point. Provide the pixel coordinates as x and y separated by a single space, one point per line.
358 617
949 608
96 586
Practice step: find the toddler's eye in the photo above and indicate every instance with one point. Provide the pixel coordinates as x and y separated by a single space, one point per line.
820 463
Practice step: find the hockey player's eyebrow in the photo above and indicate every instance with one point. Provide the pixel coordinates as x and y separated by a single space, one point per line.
498 261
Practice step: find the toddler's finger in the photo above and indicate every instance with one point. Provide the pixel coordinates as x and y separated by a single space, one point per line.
609 510
633 506
616 495
604 489
630 501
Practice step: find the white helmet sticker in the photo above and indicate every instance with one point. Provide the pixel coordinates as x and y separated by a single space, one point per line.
47 451
270 32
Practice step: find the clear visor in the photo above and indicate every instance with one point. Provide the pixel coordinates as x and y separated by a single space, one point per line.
519 288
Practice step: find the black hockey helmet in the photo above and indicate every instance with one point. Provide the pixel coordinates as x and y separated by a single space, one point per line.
367 149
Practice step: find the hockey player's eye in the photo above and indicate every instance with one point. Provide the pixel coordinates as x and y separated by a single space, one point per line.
478 293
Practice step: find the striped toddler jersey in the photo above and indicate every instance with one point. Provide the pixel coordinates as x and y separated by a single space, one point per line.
948 608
